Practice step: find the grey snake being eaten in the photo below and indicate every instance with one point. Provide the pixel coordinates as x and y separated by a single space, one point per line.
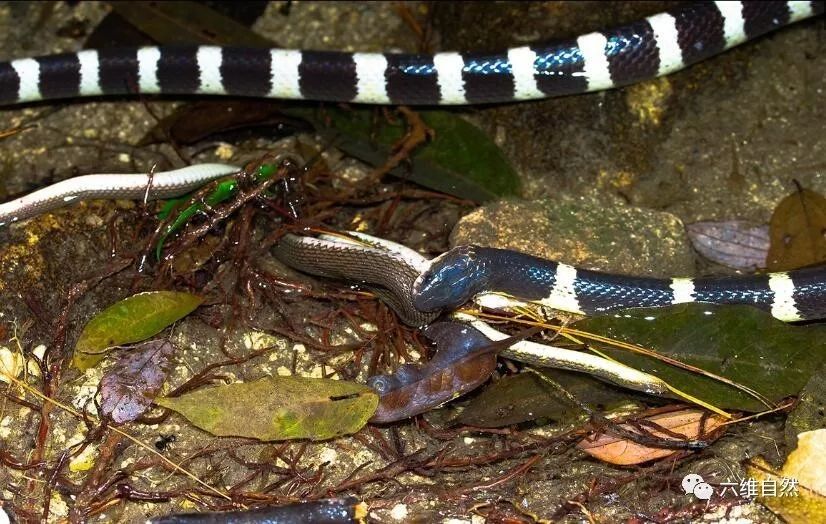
657 45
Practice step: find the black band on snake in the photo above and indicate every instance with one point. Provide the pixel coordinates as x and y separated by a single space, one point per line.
657 45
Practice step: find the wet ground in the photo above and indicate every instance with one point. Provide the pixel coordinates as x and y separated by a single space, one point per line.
609 179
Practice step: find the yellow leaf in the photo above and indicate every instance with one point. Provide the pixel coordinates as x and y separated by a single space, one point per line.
805 465
808 462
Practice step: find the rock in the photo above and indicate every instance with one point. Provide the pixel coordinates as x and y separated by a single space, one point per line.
593 232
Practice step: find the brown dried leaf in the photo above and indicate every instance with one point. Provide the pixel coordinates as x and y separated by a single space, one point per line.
733 243
452 372
225 119
798 231
617 450
128 388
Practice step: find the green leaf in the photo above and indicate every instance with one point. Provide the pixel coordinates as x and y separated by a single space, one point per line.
279 408
514 399
187 23
742 343
461 160
131 320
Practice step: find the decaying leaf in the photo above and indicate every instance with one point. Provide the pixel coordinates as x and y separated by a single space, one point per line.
129 386
187 23
797 493
133 319
460 160
734 243
808 462
798 231
464 359
693 424
278 408
223 119
741 343
523 397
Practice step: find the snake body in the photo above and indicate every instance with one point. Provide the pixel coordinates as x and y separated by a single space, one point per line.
657 45
391 270
419 289
466 271
164 184
386 268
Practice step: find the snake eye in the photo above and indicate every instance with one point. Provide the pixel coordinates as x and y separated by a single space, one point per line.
451 280
383 384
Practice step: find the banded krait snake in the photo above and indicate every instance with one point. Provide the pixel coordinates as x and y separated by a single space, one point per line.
657 45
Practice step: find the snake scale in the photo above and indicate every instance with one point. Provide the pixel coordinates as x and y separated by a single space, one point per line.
657 45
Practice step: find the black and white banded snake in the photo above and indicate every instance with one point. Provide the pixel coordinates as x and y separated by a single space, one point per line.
658 45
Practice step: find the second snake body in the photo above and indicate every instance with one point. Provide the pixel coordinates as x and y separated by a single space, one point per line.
657 45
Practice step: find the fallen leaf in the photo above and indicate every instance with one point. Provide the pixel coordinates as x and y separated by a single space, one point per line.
734 243
227 120
798 231
460 160
800 486
693 424
278 408
741 343
133 319
129 386
808 462
187 23
519 398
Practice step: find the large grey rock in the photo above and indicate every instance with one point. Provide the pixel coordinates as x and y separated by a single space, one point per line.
595 232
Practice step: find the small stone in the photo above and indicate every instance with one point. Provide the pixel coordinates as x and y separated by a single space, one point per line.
399 512
85 460
11 364
225 151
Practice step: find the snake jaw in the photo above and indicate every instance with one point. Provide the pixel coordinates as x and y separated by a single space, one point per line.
452 279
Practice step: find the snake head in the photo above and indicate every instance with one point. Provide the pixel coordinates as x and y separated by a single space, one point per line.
452 279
